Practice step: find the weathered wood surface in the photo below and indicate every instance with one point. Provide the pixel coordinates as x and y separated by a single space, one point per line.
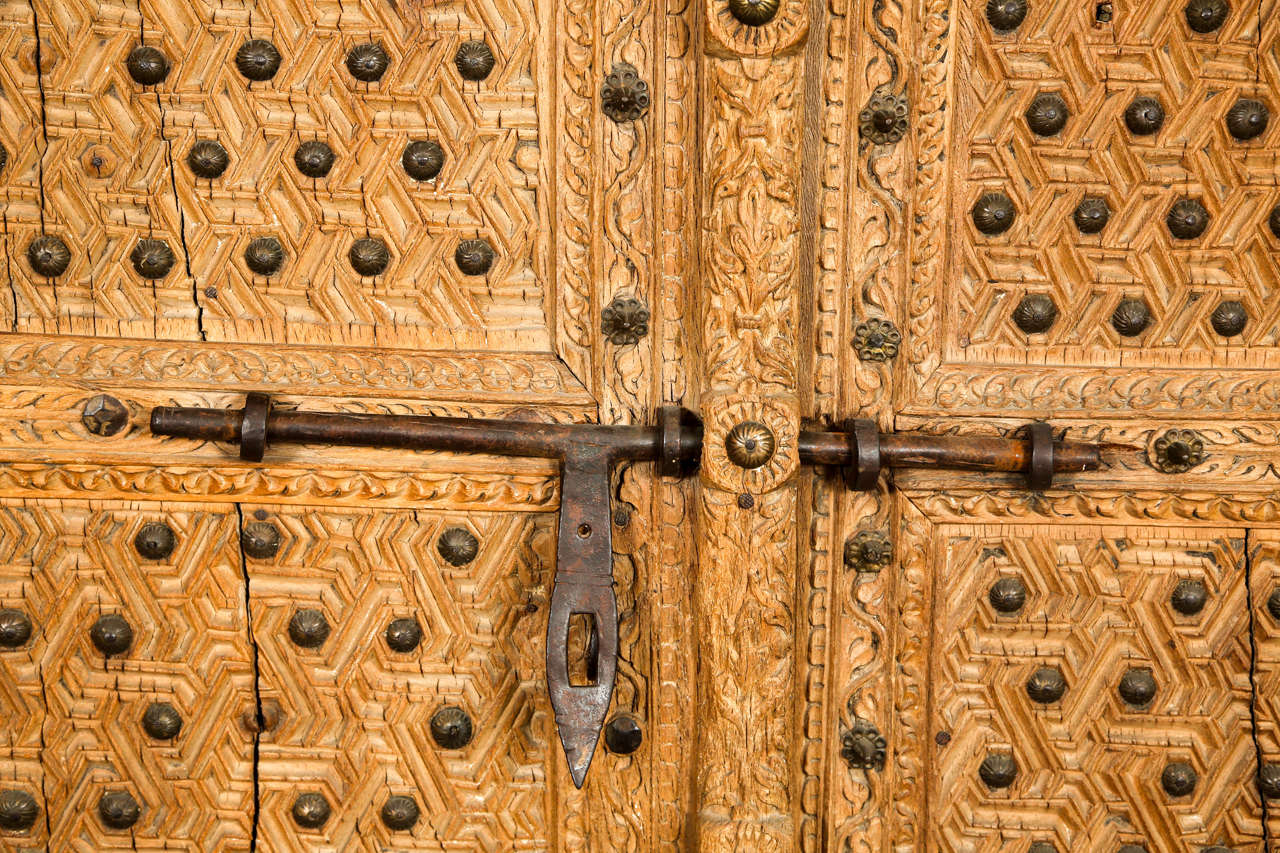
751 212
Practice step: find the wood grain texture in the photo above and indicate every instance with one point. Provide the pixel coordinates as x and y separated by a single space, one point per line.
966 355
66 563
354 716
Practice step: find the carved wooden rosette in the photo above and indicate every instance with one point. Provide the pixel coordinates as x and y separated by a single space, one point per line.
748 775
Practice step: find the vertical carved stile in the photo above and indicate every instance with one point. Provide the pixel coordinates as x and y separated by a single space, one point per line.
748 774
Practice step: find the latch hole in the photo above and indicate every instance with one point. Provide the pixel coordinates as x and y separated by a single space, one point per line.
584 531
583 645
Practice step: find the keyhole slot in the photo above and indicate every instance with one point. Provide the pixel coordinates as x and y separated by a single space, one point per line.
583 645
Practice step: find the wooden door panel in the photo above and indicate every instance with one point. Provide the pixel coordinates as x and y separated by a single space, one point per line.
355 716
69 563
487 187
968 351
1089 765
89 165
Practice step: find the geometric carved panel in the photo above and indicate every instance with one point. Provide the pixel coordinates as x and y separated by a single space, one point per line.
78 714
1098 68
114 170
1089 764
354 716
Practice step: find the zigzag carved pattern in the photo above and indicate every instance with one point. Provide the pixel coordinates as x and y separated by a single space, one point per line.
490 186
1089 764
79 713
1098 69
355 717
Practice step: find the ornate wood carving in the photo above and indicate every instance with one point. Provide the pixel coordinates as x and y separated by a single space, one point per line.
745 594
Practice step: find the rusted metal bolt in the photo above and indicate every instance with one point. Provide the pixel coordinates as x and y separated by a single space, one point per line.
104 415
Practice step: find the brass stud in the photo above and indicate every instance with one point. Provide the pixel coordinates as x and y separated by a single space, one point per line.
308 628
258 60
264 256
161 721
624 321
1047 114
876 339
883 121
1178 450
422 159
104 415
1046 685
1189 596
750 444
754 13
863 747
451 727
155 541
208 159
1138 687
1178 779
1091 215
1006 15
998 770
369 256
474 60
368 62
458 546
314 158
151 258
15 628
1205 16
868 551
1229 318
624 96
1187 219
48 255
1035 313
310 810
147 65
18 810
1007 595
1247 119
622 735
473 257
260 540
403 635
993 213
1131 317
1269 781
112 634
399 813
118 809
1144 116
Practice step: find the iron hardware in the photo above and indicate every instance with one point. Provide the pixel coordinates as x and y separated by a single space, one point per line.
587 453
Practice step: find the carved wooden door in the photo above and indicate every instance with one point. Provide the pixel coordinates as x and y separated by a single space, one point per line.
949 218
1080 224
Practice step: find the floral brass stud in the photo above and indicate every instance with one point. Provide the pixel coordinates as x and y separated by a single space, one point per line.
624 321
754 13
750 444
624 96
868 551
1178 450
876 340
863 747
883 121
